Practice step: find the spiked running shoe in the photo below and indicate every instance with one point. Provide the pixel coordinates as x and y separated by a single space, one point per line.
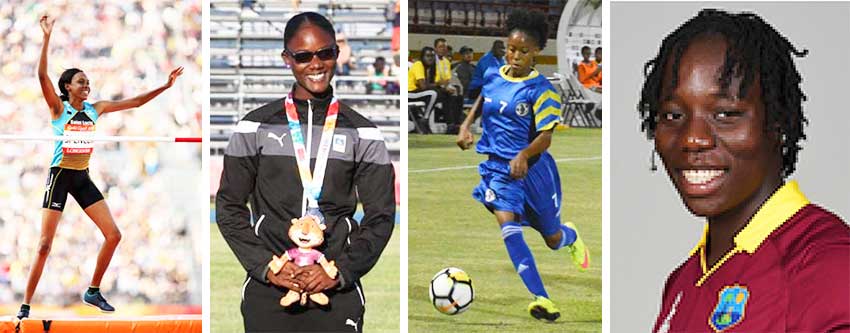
24 312
578 252
543 309
97 300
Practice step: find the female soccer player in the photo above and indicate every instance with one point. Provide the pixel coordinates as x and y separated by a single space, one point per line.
268 160
723 102
72 115
520 184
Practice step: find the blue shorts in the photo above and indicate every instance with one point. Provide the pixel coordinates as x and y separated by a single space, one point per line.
535 199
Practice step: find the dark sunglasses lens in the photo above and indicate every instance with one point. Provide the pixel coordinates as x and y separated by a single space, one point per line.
326 54
302 56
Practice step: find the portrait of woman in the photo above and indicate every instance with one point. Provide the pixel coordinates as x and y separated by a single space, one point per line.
723 104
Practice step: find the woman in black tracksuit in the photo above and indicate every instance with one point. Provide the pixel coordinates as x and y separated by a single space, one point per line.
260 167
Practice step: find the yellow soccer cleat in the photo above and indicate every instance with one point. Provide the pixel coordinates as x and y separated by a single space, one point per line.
542 308
578 252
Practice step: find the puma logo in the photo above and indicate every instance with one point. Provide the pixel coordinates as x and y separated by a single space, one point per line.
350 322
279 139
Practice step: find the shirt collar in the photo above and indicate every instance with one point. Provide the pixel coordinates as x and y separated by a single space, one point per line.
780 207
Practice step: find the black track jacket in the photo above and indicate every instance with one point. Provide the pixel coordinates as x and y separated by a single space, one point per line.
260 168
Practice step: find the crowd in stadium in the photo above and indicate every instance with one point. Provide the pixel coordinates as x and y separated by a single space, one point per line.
126 48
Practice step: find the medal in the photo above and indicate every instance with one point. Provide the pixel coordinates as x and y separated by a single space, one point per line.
311 181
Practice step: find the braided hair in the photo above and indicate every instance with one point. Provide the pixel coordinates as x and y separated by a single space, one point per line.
754 47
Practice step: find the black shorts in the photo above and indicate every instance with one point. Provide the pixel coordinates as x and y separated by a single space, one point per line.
62 181
261 310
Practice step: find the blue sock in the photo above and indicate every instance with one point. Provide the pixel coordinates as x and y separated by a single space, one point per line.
523 260
568 236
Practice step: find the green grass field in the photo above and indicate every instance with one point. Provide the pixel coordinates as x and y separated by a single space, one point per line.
380 287
447 227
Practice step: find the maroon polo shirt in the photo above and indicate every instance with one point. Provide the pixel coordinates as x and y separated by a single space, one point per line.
788 272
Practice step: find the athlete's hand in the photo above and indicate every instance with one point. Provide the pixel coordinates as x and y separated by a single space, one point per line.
286 277
315 279
173 76
46 24
519 166
464 138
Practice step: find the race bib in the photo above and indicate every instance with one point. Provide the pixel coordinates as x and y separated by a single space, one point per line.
84 128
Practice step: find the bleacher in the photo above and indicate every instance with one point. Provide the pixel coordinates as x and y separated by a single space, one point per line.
474 17
246 70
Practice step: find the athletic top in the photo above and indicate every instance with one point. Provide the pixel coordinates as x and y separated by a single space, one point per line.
260 167
515 110
789 272
74 154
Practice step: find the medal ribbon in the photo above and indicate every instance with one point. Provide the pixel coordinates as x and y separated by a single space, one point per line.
312 183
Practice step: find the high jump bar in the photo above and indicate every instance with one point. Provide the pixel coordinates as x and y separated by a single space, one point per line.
104 138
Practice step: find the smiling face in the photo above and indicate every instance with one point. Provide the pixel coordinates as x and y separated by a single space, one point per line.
306 232
713 143
313 76
79 86
520 54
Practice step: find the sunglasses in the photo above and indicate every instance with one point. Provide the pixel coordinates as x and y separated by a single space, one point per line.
307 56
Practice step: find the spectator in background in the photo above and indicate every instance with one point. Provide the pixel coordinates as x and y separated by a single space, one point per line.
589 72
444 64
598 56
465 68
345 61
452 101
422 85
494 58
378 73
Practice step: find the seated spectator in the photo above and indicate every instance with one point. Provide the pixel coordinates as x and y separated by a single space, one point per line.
378 70
598 56
464 69
345 61
422 86
589 72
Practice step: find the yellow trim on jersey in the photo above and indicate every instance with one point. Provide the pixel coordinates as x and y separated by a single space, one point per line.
540 115
548 94
549 111
780 207
504 69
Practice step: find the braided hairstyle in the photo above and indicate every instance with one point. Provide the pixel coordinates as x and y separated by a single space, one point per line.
754 47
531 22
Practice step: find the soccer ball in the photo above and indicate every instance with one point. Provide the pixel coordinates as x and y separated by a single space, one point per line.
451 291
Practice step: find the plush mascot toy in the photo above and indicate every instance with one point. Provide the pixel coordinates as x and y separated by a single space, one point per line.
307 233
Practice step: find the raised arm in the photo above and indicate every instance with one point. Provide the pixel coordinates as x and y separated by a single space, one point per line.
53 101
112 106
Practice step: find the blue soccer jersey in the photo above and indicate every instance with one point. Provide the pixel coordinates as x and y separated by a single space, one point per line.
515 110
